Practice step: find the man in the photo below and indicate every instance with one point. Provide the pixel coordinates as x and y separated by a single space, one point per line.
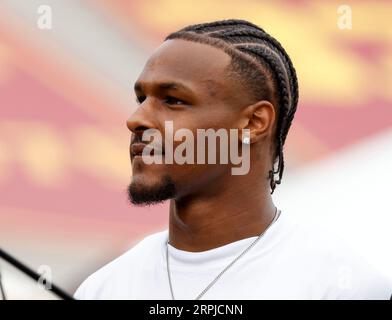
226 239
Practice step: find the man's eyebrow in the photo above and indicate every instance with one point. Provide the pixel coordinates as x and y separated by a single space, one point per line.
165 86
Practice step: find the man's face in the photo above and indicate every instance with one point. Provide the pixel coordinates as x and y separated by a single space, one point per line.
186 83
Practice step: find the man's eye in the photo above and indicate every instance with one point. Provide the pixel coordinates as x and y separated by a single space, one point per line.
140 100
172 100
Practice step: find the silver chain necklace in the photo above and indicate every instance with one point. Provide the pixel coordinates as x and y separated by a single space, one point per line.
277 214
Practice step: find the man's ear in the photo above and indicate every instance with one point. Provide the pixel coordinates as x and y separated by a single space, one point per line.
259 118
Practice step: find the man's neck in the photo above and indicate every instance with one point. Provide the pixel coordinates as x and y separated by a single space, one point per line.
202 223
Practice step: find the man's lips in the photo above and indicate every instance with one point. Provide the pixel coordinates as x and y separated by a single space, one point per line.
137 149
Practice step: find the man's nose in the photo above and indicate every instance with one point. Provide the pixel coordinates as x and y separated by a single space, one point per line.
138 122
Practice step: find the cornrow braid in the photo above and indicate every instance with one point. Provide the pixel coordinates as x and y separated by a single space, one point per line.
206 27
262 63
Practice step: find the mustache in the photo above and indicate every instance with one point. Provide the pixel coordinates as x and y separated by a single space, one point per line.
136 138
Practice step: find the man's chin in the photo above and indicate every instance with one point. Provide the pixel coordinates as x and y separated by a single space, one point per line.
142 194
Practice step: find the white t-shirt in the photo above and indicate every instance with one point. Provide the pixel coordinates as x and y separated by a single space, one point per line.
291 261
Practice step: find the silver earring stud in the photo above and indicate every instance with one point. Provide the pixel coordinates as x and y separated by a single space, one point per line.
246 140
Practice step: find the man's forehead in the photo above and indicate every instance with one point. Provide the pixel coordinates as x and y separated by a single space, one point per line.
187 61
194 54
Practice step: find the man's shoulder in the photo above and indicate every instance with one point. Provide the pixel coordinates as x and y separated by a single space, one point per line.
122 267
324 245
345 270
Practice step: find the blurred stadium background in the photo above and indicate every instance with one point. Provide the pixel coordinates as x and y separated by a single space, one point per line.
66 93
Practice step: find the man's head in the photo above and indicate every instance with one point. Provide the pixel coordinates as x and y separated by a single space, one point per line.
222 75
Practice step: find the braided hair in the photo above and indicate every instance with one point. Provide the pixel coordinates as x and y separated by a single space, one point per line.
260 62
